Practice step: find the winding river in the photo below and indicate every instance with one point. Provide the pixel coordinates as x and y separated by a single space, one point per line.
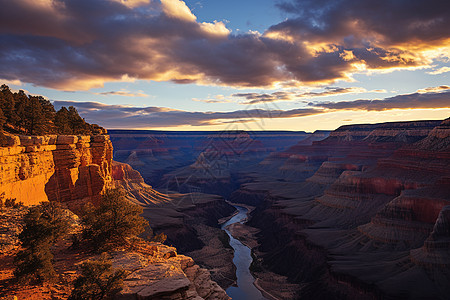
245 289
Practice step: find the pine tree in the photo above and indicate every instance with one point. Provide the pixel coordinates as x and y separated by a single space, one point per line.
21 104
62 121
48 113
7 104
44 225
110 224
35 115
76 123
2 119
34 122
98 280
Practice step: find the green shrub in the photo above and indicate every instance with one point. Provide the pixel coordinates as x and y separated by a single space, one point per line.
35 263
44 225
109 225
10 202
98 280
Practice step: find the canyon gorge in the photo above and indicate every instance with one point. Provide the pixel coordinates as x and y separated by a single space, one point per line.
361 212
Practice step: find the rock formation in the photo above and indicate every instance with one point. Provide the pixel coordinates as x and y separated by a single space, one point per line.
374 195
190 221
56 168
158 272
78 169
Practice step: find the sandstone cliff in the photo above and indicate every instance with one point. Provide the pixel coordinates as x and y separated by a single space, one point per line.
69 169
78 169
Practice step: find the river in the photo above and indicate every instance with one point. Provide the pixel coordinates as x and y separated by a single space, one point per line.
245 289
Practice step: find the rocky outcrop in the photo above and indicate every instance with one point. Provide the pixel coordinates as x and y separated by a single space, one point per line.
71 169
164 274
136 189
405 132
190 221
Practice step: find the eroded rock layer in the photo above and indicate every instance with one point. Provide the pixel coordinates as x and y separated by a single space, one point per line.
190 221
70 169
371 221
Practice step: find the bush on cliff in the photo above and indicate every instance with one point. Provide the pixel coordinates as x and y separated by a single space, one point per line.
98 280
44 225
112 222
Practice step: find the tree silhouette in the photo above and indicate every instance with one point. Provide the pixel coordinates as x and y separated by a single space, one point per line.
7 104
35 115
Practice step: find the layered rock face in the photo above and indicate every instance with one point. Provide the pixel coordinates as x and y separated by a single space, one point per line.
190 221
77 169
376 202
69 169
165 275
137 190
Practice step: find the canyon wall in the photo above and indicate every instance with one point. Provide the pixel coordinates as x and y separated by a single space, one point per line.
190 221
370 220
157 153
65 168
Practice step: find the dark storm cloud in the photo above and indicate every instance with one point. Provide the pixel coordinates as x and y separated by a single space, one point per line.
80 44
415 100
354 22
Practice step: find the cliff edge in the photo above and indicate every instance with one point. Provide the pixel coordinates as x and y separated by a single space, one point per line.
65 168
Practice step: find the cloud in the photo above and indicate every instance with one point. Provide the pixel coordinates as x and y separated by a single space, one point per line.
439 71
331 91
437 89
76 45
127 116
121 116
254 98
374 34
381 23
11 82
132 117
215 99
122 93
406 101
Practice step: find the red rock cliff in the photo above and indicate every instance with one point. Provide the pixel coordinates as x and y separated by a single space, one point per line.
62 168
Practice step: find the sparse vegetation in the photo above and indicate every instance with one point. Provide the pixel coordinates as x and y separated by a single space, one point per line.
109 225
44 225
98 280
9 202
159 238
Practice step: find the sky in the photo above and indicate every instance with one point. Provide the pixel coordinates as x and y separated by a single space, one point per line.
226 65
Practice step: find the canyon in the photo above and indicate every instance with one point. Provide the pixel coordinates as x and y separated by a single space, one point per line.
361 212
349 214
